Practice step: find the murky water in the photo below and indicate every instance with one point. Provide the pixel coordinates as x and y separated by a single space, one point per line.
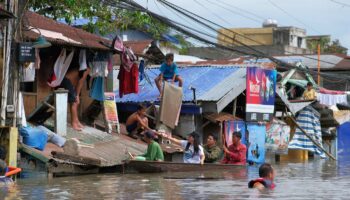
312 180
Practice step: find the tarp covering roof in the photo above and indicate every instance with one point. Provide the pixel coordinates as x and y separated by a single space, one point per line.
212 83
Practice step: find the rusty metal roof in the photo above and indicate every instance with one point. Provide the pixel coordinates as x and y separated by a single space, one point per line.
220 117
75 36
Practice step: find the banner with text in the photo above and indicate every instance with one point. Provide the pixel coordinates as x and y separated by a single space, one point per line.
260 94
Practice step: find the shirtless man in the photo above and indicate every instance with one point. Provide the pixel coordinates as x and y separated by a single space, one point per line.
68 82
137 122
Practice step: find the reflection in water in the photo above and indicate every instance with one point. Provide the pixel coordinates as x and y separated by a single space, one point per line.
312 180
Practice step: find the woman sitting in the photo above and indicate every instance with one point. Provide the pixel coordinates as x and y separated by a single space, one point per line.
193 152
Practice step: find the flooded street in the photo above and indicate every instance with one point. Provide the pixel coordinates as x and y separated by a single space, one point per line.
313 180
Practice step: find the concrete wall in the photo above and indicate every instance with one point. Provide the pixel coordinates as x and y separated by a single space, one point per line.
263 36
186 125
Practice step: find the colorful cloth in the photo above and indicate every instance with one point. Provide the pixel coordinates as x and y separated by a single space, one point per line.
309 120
60 68
169 71
97 89
128 80
236 155
154 152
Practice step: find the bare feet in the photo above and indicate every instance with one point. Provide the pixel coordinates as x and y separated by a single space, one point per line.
80 125
76 127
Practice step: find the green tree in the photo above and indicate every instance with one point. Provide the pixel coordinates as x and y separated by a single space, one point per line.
336 47
102 15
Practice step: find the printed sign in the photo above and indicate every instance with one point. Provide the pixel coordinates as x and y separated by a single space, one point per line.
277 138
260 94
26 52
232 126
110 110
256 145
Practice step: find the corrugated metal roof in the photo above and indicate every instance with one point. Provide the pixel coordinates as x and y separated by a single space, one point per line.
78 37
211 83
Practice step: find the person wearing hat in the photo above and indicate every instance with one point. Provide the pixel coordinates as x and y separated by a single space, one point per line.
154 151
193 151
236 152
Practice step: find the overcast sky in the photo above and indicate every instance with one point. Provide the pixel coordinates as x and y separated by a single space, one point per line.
318 17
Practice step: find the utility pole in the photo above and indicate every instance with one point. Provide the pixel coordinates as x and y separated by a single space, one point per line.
318 64
8 30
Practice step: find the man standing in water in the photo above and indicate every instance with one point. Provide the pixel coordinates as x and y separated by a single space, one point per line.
236 152
267 175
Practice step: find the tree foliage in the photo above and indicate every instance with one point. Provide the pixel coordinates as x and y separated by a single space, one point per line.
102 17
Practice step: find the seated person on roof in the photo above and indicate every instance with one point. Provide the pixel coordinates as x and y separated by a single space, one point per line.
154 151
212 151
309 93
168 71
137 123
236 152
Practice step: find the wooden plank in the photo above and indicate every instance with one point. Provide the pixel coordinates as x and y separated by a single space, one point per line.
78 159
33 152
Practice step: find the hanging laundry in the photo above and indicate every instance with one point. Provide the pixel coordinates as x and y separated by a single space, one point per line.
82 60
60 68
99 64
28 73
142 69
97 89
128 80
118 44
309 120
37 58
110 62
331 99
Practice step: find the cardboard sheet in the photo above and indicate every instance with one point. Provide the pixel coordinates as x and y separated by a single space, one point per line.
170 105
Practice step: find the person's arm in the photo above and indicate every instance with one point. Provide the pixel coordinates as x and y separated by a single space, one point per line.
237 156
176 141
202 156
175 72
143 124
173 79
81 81
259 186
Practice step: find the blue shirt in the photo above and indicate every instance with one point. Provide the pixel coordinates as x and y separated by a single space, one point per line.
169 71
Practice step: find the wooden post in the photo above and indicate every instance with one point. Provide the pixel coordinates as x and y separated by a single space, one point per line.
318 64
234 107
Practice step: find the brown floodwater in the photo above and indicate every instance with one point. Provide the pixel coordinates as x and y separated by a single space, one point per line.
319 179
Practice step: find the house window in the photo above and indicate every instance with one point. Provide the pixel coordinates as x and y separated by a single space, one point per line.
300 41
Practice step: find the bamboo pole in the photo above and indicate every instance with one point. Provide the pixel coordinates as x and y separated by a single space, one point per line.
318 64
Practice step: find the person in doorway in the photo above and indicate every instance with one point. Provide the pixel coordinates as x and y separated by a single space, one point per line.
309 93
236 152
193 151
74 95
168 71
267 175
154 151
212 152
137 122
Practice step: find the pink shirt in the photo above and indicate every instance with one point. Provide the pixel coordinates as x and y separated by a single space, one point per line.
236 155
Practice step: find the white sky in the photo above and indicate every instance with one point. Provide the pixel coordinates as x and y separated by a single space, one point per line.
318 17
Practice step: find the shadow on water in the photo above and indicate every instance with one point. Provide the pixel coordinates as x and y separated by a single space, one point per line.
318 179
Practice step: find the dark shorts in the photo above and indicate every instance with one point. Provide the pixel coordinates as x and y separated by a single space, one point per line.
130 128
169 78
66 84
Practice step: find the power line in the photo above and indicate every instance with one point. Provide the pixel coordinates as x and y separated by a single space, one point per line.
227 7
340 3
291 16
213 13
173 24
